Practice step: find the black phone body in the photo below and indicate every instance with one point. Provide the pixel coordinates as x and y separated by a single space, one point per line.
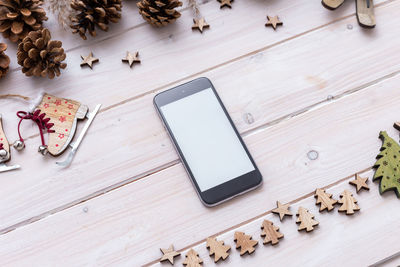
208 143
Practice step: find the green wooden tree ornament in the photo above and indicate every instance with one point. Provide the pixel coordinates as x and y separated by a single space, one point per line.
388 165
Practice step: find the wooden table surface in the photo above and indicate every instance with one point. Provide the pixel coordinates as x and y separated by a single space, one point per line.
309 100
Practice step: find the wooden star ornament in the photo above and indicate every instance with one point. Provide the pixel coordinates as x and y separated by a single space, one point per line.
225 3
200 24
274 22
131 58
169 254
360 182
89 60
282 210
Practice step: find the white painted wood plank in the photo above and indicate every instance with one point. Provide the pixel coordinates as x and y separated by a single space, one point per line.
338 240
168 54
140 144
130 224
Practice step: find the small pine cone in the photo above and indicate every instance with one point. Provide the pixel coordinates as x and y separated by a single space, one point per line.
159 12
19 17
4 60
40 56
92 13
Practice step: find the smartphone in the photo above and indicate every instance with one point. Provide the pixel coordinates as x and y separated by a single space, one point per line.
208 143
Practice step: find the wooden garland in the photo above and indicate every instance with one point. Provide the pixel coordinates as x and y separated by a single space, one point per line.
192 259
305 218
282 210
325 200
360 183
245 243
348 203
217 248
270 232
169 254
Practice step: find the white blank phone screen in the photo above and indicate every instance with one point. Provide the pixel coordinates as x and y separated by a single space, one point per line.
207 140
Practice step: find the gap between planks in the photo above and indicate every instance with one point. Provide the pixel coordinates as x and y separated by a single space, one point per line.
175 162
262 214
233 60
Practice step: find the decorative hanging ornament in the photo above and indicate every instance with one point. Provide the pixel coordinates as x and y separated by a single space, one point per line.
5 151
274 22
199 21
58 117
131 58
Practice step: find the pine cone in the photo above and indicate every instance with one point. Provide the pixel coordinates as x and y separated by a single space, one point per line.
19 17
4 60
159 12
94 12
40 56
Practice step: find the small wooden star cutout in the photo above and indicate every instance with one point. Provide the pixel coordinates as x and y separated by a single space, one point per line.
200 24
225 3
131 58
273 21
360 182
282 210
89 60
169 254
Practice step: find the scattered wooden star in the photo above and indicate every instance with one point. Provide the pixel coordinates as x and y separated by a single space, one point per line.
169 254
131 58
218 249
226 3
282 210
360 182
245 243
324 199
200 24
89 60
270 232
273 21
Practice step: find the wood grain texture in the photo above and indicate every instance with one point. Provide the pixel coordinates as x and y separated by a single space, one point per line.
133 218
324 199
143 146
362 230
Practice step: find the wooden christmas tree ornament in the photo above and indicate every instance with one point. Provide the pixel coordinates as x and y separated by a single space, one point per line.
59 117
274 22
282 210
5 151
325 200
360 183
245 243
217 248
270 232
131 58
89 60
348 203
306 220
169 254
387 166
200 24
365 13
192 259
225 3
